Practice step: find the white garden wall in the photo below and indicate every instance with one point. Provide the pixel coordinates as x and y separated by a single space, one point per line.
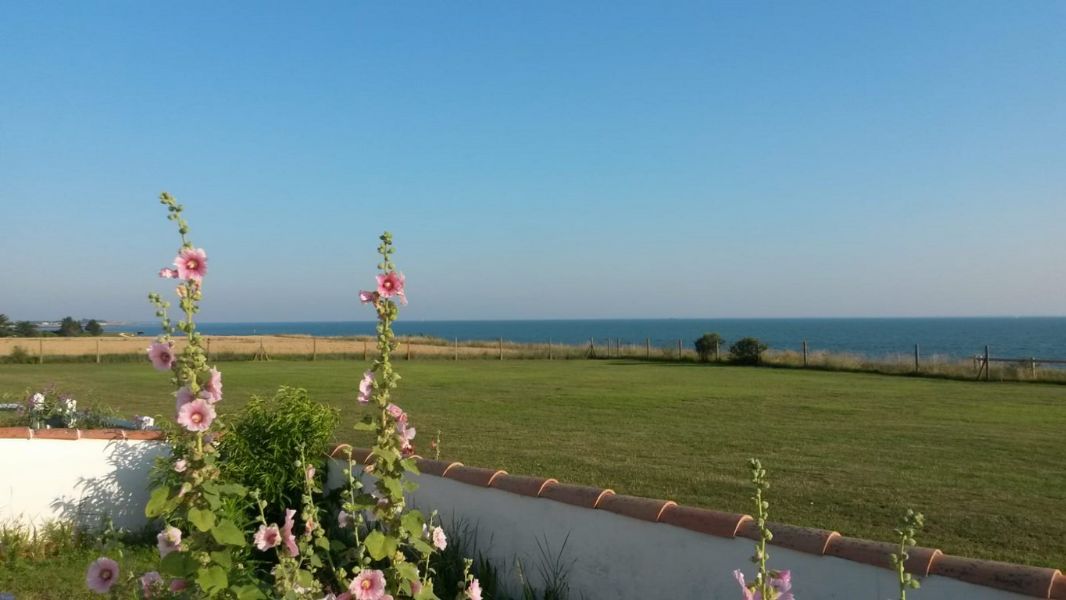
67 475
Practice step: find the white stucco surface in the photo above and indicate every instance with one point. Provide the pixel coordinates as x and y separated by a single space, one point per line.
79 480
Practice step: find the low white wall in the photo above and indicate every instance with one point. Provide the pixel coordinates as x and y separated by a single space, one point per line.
616 557
78 480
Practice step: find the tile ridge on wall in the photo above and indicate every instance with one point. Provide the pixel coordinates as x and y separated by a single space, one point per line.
1036 582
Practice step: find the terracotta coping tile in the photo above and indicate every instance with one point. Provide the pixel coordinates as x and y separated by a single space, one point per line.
1058 588
578 495
56 434
644 509
436 467
145 435
16 433
803 539
1020 579
711 522
473 475
103 434
920 561
341 451
522 484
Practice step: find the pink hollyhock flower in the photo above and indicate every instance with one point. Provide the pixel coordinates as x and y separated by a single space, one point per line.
406 434
286 533
345 596
151 582
191 263
368 585
183 397
397 413
440 541
212 388
416 587
781 581
391 284
196 415
180 465
267 537
368 297
366 387
309 472
102 574
473 591
387 597
344 519
309 526
161 356
168 540
168 273
178 585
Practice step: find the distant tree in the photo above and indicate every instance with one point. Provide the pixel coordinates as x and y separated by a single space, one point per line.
746 351
26 329
707 345
68 327
93 327
6 328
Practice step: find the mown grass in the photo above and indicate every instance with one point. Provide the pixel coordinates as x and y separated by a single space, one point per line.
846 451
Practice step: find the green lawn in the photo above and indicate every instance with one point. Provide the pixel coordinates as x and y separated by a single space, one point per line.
983 461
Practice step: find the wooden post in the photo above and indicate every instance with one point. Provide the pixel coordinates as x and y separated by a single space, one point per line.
647 348
988 374
408 349
917 359
97 350
40 352
501 348
456 348
592 347
314 349
364 350
550 357
1032 366
717 350
678 349
208 349
804 353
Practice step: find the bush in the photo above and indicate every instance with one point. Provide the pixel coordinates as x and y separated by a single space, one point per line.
746 351
707 345
266 439
20 356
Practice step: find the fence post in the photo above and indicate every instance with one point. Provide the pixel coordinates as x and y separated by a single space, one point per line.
1032 365
40 352
647 348
717 351
550 349
314 349
98 351
408 349
364 350
678 349
804 353
592 347
501 348
456 348
209 349
988 369
917 358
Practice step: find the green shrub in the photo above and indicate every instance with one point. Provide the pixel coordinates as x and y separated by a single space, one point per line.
708 345
746 351
265 439
20 356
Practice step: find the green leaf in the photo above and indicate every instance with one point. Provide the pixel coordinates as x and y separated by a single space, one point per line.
247 592
427 592
413 522
408 571
178 564
363 426
213 501
393 486
421 546
204 520
227 533
410 465
212 579
156 502
322 543
223 559
379 546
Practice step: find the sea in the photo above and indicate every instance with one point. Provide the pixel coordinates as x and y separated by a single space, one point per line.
959 337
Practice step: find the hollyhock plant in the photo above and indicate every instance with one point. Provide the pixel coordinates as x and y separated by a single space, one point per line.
368 297
168 540
366 387
191 263
151 584
168 273
102 575
161 355
180 465
267 537
212 388
391 284
473 591
196 415
286 533
368 585
440 541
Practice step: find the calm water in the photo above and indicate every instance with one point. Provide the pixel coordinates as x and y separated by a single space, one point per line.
1042 337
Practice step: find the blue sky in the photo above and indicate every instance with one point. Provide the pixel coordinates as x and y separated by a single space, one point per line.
538 159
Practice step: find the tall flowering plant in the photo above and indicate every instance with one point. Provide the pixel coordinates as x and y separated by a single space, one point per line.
768 584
